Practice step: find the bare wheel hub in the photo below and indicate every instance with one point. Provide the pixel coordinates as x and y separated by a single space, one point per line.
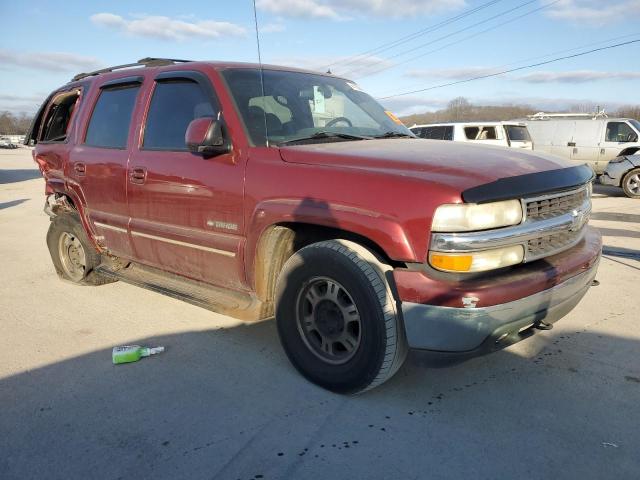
72 256
328 320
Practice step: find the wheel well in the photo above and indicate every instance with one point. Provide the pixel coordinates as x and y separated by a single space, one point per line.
629 151
60 203
279 242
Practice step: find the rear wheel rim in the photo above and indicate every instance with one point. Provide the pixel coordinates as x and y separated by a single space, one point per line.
633 183
72 256
328 320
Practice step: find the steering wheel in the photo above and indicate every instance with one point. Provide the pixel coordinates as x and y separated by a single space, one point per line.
332 122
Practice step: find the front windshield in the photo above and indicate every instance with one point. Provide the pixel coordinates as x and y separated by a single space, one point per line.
636 124
296 105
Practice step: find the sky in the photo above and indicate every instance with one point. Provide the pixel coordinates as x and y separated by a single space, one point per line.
387 47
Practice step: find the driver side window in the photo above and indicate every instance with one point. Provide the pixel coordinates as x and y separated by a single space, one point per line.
620 132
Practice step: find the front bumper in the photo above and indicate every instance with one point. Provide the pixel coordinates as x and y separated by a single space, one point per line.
614 172
469 330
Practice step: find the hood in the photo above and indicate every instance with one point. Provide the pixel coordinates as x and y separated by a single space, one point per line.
457 164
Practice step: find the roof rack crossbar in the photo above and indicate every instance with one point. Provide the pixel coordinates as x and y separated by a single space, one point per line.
143 62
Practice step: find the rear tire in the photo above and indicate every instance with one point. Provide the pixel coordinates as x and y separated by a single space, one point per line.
631 183
337 317
74 257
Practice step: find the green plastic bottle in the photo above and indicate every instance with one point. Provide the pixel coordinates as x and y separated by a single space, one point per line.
133 353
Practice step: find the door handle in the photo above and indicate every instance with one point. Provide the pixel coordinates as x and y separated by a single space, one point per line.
138 175
80 168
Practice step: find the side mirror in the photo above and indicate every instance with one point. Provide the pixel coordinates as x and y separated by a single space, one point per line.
204 136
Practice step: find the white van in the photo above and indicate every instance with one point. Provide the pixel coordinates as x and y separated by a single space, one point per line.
585 138
504 134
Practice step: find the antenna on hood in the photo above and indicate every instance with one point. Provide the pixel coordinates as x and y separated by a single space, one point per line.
264 111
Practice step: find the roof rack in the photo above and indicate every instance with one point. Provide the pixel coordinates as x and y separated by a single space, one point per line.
546 116
143 62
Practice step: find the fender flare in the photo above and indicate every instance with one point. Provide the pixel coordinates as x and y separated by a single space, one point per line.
383 231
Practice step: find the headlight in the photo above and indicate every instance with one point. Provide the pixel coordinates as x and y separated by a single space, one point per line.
467 217
477 261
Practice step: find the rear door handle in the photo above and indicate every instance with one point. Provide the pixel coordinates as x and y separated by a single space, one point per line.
138 175
80 168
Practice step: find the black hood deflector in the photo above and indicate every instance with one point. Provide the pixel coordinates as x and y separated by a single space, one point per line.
529 185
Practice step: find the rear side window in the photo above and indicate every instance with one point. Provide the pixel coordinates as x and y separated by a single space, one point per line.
173 106
471 132
480 133
517 133
111 117
438 133
56 123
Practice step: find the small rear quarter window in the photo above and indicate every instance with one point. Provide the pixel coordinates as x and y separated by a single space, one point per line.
57 122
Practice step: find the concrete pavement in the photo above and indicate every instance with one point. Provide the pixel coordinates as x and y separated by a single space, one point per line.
223 402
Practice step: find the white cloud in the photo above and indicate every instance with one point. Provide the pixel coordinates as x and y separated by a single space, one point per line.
363 65
343 9
595 12
21 98
408 105
452 73
21 103
577 76
272 28
48 61
166 28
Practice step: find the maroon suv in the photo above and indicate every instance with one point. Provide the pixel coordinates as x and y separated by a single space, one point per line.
259 191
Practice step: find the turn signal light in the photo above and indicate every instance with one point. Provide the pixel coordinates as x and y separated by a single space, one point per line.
477 261
451 263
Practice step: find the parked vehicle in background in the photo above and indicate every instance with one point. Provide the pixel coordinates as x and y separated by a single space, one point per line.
503 134
6 143
593 139
624 171
256 191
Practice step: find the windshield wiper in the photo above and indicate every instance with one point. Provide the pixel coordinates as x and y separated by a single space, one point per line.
323 135
394 135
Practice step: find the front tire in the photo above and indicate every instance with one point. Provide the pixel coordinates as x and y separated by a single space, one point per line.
631 183
74 257
337 317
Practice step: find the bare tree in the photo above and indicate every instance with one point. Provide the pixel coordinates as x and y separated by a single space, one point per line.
11 124
629 111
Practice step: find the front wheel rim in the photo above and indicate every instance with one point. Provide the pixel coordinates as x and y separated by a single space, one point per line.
328 320
633 184
72 256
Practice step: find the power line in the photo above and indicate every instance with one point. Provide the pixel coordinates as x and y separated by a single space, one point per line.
389 45
444 37
558 52
468 37
480 77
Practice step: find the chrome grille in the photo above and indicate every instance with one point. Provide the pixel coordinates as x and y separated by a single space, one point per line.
544 246
541 209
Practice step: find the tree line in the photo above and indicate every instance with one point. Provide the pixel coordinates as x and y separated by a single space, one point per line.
462 110
11 124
